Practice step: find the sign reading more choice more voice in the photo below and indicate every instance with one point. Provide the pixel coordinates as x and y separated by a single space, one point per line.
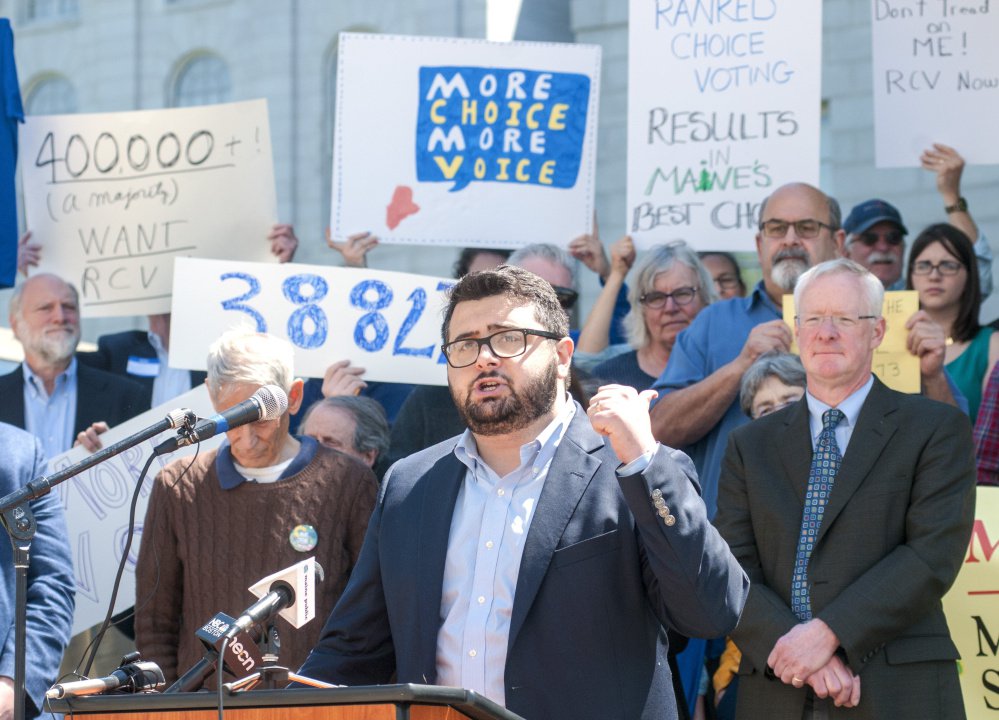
723 108
464 142
114 198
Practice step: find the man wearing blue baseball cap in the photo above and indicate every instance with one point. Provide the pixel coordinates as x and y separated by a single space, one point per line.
875 234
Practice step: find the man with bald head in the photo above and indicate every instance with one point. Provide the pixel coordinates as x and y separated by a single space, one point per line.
699 390
50 395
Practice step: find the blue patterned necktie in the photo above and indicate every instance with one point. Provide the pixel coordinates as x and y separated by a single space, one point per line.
825 464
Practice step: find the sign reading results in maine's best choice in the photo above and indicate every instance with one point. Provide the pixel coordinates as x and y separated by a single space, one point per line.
386 322
114 198
723 107
936 79
464 142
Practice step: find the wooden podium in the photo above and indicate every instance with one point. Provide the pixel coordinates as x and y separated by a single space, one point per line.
376 702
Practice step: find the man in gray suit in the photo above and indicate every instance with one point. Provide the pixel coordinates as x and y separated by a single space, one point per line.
850 511
537 559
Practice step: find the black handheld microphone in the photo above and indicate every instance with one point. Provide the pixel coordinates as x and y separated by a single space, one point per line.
132 677
268 403
281 595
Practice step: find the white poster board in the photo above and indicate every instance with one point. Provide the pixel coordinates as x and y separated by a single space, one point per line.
97 503
448 141
386 322
723 107
936 79
114 198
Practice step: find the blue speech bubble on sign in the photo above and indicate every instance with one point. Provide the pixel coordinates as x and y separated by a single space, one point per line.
500 125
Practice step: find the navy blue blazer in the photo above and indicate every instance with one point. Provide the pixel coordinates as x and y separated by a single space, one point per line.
51 589
99 396
601 576
114 351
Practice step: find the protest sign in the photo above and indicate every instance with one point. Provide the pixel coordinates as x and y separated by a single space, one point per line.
936 79
114 198
972 608
464 142
386 322
723 107
894 365
97 504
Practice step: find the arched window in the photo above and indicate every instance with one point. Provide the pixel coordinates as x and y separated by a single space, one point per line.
201 80
52 95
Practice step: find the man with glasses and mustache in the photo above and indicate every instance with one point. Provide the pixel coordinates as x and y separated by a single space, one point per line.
538 557
799 227
50 395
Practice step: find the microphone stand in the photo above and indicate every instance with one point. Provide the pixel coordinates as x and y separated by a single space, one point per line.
19 522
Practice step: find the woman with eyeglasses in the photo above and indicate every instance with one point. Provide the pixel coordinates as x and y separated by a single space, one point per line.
670 287
943 269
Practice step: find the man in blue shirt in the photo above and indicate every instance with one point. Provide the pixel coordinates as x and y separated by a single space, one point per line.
555 545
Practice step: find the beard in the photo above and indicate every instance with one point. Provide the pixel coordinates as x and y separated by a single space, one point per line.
788 266
514 411
53 347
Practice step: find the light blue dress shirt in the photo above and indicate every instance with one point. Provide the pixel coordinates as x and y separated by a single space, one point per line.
51 418
850 407
492 516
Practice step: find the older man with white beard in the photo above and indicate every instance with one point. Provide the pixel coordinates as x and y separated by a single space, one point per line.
699 390
49 395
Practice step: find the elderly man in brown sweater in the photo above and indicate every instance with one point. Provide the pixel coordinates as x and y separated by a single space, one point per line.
262 502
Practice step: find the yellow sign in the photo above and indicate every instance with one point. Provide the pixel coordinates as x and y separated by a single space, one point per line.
972 608
894 365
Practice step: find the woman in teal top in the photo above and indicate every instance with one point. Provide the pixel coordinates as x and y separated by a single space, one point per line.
942 268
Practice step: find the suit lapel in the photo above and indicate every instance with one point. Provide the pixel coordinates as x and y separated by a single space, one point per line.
875 427
795 448
440 491
92 397
570 473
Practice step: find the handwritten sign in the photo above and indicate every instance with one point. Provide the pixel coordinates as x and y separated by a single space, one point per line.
386 322
97 503
972 608
894 365
936 79
114 198
464 142
723 107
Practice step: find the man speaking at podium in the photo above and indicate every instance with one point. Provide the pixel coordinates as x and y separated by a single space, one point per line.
539 558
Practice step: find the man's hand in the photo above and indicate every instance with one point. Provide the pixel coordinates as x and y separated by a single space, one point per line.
927 341
836 681
6 698
283 242
805 648
773 335
342 378
948 164
590 251
622 256
355 250
29 254
622 414
89 437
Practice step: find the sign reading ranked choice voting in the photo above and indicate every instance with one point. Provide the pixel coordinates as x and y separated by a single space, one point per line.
723 107
114 198
449 141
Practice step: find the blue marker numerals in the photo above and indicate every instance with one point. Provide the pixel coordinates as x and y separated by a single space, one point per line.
308 325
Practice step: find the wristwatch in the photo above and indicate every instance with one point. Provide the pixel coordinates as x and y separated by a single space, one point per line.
960 206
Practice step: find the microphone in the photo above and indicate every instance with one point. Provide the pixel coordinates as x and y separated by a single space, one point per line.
280 596
131 677
268 403
179 418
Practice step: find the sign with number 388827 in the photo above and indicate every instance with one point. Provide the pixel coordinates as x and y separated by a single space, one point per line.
386 322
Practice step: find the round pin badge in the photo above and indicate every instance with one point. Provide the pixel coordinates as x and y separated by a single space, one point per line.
303 538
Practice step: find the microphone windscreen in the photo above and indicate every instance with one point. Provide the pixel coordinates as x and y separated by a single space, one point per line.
274 401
